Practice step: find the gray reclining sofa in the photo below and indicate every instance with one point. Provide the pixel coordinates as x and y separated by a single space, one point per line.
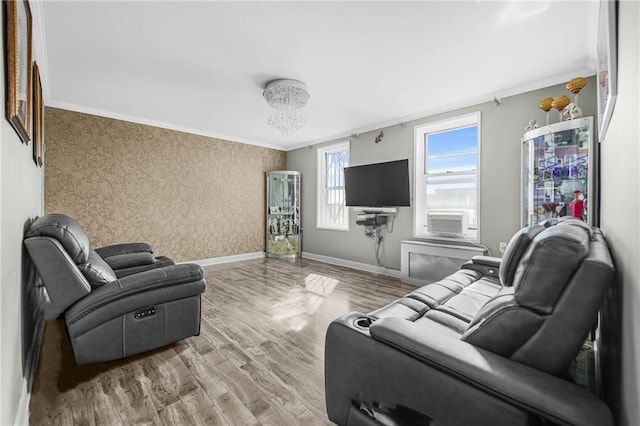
489 345
116 301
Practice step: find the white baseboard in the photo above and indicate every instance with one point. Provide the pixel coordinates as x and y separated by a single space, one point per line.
227 259
22 414
353 265
319 257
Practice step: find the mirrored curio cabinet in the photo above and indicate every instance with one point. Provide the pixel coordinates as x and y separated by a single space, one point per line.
284 236
559 172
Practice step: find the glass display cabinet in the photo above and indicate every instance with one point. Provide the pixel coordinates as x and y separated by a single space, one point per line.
283 214
559 172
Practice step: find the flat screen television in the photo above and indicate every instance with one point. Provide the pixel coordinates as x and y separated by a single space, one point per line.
378 185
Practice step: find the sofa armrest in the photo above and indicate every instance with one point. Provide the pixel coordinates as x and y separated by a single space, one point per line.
130 260
487 261
486 265
535 391
158 262
134 292
123 248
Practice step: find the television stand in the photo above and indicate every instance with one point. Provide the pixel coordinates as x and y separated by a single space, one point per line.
373 221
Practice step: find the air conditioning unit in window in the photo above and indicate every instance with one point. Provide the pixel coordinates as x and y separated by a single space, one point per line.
447 223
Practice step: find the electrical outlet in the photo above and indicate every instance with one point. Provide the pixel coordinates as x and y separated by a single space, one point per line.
503 247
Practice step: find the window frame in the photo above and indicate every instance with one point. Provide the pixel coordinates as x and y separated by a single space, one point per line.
420 229
321 179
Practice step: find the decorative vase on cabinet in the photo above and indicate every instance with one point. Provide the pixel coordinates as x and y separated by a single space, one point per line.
559 171
284 235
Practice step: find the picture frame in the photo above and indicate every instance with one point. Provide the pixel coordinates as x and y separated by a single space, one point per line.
19 70
38 118
607 58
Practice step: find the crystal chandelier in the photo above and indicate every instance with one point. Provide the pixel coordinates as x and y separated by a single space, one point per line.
287 96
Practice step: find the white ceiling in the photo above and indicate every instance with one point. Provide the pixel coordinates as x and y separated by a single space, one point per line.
201 66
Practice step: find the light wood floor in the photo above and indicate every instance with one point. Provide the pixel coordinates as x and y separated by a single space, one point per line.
258 359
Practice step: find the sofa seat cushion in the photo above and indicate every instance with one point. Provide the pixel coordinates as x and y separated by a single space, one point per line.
439 292
458 312
451 302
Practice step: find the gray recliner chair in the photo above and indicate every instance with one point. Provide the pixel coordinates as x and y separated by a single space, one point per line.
116 301
489 345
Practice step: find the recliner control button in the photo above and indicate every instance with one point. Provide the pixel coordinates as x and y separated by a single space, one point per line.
143 313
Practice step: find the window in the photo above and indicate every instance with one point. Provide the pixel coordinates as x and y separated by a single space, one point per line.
332 212
447 183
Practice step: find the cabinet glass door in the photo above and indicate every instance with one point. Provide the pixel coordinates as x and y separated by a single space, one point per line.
283 214
558 169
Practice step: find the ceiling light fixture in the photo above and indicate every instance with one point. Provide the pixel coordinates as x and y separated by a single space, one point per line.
287 96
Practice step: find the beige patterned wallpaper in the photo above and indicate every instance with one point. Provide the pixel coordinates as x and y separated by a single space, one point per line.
191 197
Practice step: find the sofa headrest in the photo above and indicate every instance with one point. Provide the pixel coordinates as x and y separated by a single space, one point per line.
515 249
548 264
552 221
573 221
67 231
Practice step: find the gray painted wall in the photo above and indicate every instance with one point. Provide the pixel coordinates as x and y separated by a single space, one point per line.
501 129
21 191
620 203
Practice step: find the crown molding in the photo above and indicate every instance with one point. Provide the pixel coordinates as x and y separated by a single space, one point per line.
586 71
40 46
147 122
593 14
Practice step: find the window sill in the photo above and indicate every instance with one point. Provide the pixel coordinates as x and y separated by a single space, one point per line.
327 228
439 238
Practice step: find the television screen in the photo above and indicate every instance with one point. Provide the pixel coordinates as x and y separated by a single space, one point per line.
378 185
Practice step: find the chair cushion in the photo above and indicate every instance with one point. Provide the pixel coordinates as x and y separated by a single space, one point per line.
502 326
547 266
437 293
457 312
67 231
518 244
130 260
159 262
97 271
123 248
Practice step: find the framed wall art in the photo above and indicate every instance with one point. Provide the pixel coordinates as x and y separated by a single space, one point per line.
18 60
38 118
607 65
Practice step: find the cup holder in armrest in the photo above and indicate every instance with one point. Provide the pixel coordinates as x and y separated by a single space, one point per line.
364 322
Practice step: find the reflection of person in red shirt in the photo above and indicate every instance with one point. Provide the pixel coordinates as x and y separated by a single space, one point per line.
604 78
604 86
577 205
604 89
